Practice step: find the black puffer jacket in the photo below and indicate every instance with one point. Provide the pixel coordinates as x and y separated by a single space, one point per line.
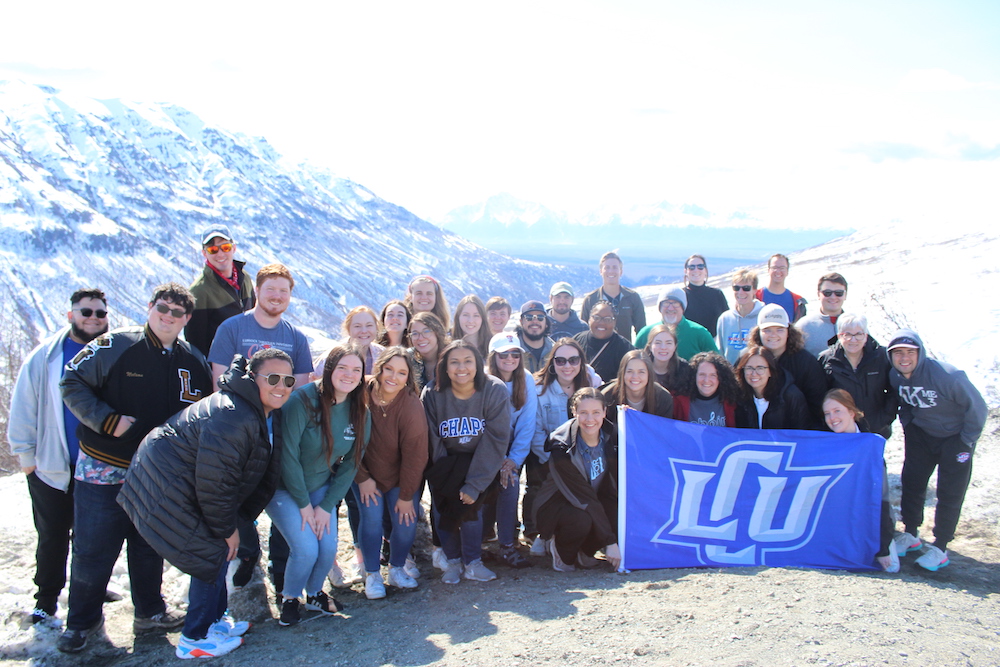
191 476
868 384
786 410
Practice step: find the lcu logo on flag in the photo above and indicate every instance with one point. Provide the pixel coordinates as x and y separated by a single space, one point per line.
695 495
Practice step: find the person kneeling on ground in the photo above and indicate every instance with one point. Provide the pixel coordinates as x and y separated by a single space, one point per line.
194 475
577 506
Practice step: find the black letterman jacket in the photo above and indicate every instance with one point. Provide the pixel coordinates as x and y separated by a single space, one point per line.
129 372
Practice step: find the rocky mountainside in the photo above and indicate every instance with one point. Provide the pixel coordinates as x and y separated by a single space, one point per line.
113 194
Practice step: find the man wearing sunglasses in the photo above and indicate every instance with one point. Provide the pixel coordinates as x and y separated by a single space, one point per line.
735 324
42 433
820 329
223 288
120 386
532 332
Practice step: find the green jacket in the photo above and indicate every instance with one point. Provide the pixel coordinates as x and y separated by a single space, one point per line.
304 467
215 302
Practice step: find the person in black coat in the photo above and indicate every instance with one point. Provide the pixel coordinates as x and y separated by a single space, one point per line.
770 398
193 476
603 345
785 341
704 304
859 365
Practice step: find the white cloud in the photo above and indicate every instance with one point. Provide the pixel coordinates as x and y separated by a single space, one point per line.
938 80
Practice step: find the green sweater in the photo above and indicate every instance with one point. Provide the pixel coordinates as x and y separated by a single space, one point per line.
692 338
304 468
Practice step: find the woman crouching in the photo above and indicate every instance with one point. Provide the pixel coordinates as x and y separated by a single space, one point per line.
577 507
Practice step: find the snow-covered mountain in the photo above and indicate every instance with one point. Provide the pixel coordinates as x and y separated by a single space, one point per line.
659 232
113 194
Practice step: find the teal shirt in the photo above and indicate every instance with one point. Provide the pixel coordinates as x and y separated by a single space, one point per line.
692 338
304 468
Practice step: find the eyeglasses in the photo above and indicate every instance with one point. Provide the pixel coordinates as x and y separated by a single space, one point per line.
426 333
853 336
87 312
533 318
562 361
831 292
695 267
274 378
603 320
513 354
756 370
745 288
174 312
224 247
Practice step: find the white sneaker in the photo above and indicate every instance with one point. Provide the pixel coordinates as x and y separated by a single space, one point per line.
453 573
374 586
336 576
557 563
905 543
933 559
211 646
399 578
476 571
439 560
411 567
355 574
538 547
229 627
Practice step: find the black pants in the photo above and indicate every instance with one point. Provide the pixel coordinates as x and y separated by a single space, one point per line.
53 513
953 459
535 472
573 530
249 548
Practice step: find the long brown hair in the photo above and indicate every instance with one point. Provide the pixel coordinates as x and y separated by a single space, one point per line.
649 397
518 387
383 337
440 302
794 343
431 321
775 379
358 398
674 362
388 354
483 336
546 375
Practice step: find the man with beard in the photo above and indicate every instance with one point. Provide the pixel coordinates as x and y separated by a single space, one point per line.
532 331
257 329
42 433
692 338
563 320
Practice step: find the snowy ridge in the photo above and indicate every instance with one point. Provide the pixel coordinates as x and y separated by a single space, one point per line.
113 194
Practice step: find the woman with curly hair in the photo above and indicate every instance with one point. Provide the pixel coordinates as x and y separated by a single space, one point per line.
428 337
711 394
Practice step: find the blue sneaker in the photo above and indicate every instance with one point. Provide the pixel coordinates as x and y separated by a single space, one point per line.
211 646
906 543
228 627
933 559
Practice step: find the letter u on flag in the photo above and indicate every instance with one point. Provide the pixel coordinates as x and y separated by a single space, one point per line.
706 496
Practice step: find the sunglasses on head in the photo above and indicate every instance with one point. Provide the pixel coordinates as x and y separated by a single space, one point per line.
87 312
745 288
174 312
562 361
513 354
696 267
831 292
274 378
224 247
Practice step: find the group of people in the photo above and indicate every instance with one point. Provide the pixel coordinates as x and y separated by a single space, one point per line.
176 444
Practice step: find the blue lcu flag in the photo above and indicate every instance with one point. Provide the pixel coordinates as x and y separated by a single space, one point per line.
705 496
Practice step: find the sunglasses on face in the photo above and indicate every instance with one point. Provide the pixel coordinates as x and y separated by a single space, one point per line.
174 312
832 292
509 355
562 361
87 312
533 318
603 320
745 288
696 267
274 378
224 247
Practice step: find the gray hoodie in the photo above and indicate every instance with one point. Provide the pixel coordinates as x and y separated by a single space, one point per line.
733 330
938 398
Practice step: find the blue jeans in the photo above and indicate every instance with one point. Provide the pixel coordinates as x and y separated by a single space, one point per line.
507 523
371 530
100 528
310 558
466 543
206 604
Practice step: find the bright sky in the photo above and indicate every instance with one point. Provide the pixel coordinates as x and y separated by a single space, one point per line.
803 113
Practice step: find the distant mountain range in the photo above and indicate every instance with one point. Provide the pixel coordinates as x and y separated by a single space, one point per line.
653 239
113 194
